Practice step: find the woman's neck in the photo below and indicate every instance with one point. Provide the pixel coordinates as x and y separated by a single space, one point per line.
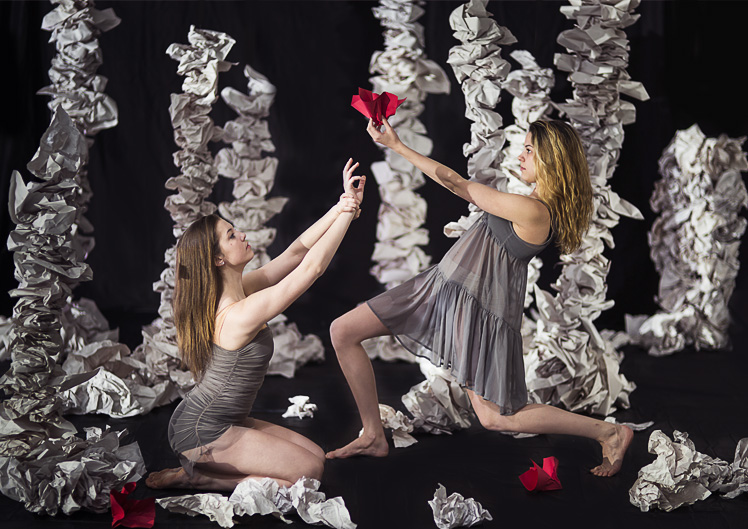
232 290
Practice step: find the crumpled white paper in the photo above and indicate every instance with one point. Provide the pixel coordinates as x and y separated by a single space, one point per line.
264 496
694 243
300 407
481 72
402 69
253 174
456 511
438 404
569 361
681 475
400 424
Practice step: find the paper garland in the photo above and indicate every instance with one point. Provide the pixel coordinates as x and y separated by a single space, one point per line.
481 71
46 466
570 362
200 62
254 175
694 243
403 70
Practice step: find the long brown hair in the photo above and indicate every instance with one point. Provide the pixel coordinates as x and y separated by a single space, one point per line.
197 292
561 169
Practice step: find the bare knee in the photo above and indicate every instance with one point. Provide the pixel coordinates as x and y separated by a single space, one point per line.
340 334
312 467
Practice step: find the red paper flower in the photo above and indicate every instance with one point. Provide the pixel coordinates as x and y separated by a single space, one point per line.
545 478
376 106
131 513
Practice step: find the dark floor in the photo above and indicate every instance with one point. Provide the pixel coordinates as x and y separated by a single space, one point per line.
702 393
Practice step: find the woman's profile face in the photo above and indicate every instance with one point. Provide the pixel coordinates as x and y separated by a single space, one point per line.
235 250
527 161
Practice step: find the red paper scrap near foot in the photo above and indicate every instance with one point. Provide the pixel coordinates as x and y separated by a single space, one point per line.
376 106
131 513
545 478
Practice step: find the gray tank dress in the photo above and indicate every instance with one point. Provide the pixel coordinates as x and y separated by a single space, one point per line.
224 397
465 313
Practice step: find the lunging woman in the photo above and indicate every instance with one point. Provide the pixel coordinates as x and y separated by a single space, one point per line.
466 312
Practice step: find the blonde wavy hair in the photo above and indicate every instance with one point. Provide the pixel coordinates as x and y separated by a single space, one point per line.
197 292
564 177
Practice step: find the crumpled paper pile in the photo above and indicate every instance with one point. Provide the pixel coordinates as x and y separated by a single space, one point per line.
569 360
695 243
69 474
481 72
42 462
402 69
455 510
681 476
254 175
264 496
438 404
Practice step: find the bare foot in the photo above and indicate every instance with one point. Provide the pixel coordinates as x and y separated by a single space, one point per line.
169 478
363 446
614 448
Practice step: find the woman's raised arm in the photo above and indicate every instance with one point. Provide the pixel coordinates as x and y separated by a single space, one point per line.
518 209
271 273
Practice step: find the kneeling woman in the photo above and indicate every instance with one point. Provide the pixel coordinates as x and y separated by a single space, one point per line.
221 316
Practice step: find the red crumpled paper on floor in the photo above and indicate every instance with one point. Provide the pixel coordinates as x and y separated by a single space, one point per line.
376 106
545 478
131 513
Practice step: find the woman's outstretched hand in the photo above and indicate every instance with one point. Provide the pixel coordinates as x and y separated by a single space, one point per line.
349 182
388 138
346 204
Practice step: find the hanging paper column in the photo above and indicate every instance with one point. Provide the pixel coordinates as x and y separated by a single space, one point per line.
43 463
253 176
200 62
481 71
76 87
403 70
531 87
694 243
571 363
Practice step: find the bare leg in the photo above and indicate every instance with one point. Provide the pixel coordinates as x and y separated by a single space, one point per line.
541 418
347 333
177 478
244 453
285 433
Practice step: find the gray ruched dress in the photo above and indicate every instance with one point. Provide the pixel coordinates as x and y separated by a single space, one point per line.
465 313
224 397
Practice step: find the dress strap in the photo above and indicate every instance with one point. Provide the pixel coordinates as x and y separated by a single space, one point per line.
221 319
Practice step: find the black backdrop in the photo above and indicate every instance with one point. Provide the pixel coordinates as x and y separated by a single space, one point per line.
689 55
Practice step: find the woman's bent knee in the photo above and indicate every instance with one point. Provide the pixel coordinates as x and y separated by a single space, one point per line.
340 333
313 468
